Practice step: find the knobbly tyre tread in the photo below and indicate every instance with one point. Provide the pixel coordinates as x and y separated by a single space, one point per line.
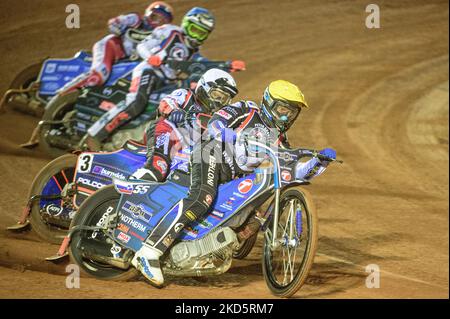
54 106
52 235
300 278
99 197
246 247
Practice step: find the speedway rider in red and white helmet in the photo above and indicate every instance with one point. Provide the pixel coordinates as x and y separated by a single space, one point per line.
173 130
168 42
117 46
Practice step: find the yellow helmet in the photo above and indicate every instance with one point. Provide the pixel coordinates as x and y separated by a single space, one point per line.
281 103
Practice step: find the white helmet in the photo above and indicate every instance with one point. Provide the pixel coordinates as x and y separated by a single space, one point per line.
215 89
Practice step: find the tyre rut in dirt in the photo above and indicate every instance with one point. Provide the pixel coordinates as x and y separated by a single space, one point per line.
64 166
288 227
55 110
89 214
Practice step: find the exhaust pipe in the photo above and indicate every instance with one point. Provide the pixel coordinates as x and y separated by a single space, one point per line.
101 252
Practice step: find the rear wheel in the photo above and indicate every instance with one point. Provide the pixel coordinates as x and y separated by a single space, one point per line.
51 180
56 110
95 210
24 80
286 267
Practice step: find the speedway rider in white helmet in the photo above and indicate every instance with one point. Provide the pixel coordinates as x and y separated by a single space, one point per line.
172 131
215 89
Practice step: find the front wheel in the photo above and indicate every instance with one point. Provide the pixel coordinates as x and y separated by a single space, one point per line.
95 211
286 267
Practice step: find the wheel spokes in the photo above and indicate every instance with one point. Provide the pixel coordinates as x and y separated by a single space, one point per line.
289 244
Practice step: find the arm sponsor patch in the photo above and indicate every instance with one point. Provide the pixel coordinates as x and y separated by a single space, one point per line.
224 114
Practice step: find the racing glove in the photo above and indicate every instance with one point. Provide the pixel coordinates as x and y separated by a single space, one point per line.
177 116
328 152
154 60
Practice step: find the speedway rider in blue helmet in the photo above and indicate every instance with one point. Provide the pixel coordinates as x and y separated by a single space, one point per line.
224 158
167 42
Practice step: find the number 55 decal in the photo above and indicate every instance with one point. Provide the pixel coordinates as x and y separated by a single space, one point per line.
141 189
85 163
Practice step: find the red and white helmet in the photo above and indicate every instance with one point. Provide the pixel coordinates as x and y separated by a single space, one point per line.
158 13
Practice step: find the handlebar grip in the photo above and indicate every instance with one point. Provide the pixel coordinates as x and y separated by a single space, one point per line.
329 159
237 65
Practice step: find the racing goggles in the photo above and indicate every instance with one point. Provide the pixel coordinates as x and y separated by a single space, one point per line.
285 112
197 32
219 96
157 18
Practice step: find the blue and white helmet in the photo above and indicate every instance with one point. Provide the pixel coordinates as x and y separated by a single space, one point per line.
197 24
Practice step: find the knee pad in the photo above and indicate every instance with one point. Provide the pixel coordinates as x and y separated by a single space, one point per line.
140 91
102 73
159 165
130 97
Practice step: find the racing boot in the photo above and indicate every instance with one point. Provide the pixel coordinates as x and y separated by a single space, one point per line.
88 79
146 260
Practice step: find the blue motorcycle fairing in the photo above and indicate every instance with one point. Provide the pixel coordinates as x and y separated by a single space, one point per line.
143 204
97 169
55 73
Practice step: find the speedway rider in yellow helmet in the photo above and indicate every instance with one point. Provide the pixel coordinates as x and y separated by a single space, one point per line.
281 104
225 157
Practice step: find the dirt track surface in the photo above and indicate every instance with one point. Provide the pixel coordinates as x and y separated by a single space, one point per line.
379 97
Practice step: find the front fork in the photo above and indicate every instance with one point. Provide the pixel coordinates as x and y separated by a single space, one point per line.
276 216
295 216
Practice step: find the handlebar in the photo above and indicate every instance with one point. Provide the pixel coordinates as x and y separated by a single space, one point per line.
274 157
303 152
193 66
321 157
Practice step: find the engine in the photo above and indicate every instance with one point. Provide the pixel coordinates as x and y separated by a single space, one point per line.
212 253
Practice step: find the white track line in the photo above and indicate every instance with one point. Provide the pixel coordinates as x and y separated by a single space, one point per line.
383 271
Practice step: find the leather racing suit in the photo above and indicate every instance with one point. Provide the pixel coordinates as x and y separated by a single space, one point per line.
165 138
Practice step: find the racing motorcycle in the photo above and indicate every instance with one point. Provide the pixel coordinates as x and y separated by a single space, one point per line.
112 224
68 117
34 86
64 183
